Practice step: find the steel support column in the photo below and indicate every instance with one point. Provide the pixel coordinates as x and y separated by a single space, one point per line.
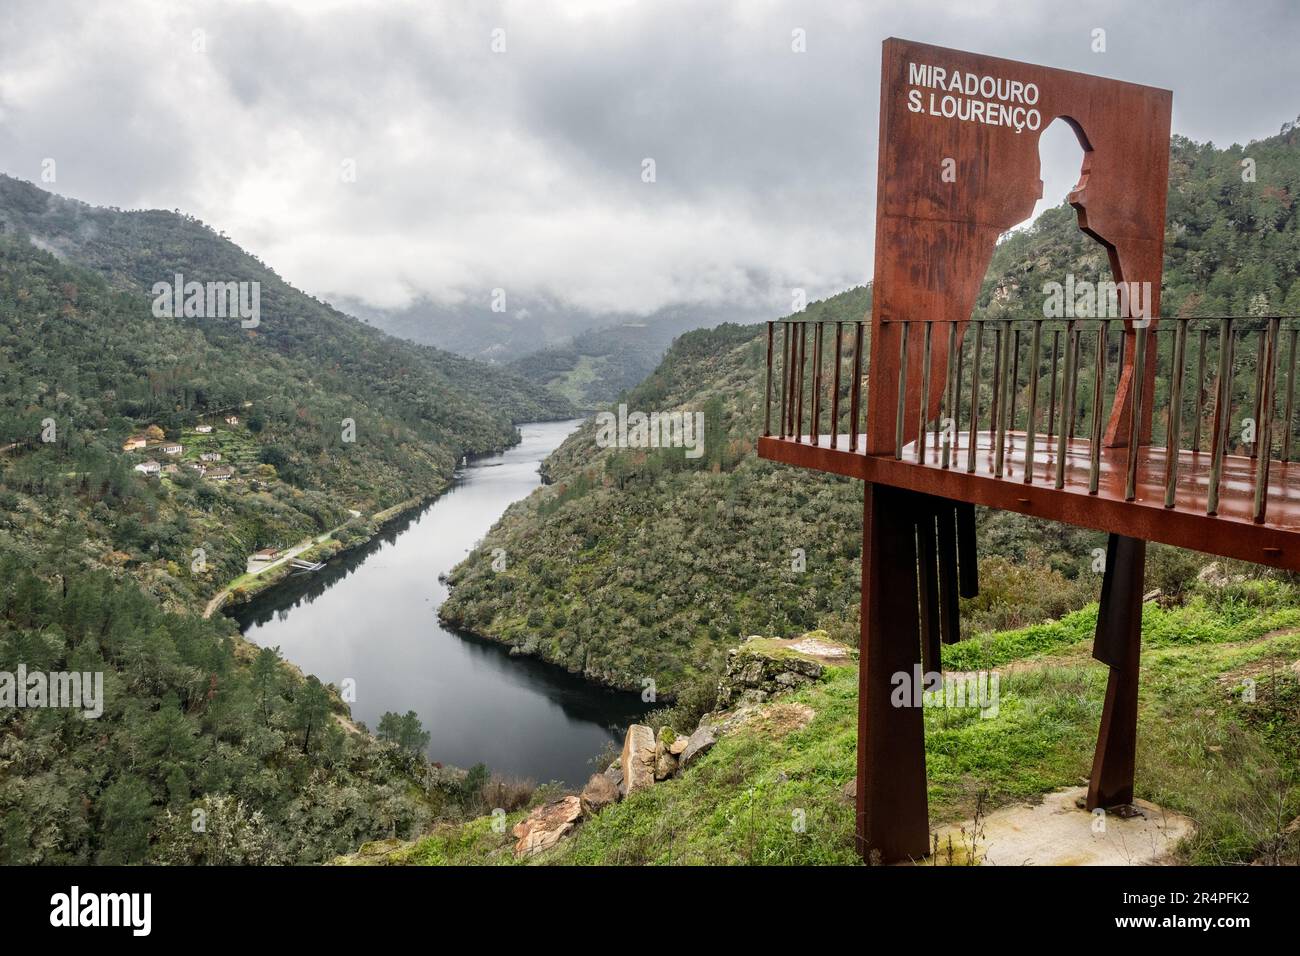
892 809
1118 644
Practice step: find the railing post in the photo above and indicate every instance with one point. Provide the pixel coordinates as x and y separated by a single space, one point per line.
1264 432
995 400
1222 413
835 398
1135 412
856 392
1051 394
924 411
1290 398
1074 396
788 384
1098 387
815 428
973 440
1202 336
1003 360
1261 346
902 393
767 388
1067 387
1014 380
1031 422
1173 444
952 396
798 390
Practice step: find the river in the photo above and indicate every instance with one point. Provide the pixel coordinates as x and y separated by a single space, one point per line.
371 615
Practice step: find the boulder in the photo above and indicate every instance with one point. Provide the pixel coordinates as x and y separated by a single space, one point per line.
700 742
665 760
638 761
547 825
665 763
678 745
599 793
1216 576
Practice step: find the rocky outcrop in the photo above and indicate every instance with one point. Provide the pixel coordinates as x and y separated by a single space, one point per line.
547 825
638 761
599 793
756 671
761 667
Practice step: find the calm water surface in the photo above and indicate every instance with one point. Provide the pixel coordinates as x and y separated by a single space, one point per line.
371 615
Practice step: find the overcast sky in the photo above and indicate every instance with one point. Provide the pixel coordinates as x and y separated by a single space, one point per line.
523 169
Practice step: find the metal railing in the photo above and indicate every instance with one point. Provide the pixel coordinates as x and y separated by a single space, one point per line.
1216 393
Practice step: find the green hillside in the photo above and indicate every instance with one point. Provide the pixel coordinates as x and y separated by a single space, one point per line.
81 348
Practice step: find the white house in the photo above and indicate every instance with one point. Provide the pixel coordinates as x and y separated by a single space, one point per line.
203 429
211 456
149 467
172 448
232 419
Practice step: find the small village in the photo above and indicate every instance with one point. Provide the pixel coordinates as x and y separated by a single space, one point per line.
209 451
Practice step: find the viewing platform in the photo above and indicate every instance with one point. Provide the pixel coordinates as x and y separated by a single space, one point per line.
1018 422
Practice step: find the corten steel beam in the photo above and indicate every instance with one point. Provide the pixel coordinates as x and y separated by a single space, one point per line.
1231 534
1118 645
949 573
967 559
928 566
892 809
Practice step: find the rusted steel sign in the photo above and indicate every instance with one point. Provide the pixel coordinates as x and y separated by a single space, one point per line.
958 167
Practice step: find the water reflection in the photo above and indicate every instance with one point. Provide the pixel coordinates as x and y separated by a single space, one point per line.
371 615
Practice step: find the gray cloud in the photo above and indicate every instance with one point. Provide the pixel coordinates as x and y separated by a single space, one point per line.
522 170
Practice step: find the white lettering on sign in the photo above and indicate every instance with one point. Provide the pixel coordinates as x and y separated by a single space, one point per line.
969 98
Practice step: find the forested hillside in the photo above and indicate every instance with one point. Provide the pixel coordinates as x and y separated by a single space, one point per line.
81 350
249 438
637 564
596 366
200 756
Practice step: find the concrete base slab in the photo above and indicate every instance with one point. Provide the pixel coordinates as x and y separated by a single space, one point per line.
1057 832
